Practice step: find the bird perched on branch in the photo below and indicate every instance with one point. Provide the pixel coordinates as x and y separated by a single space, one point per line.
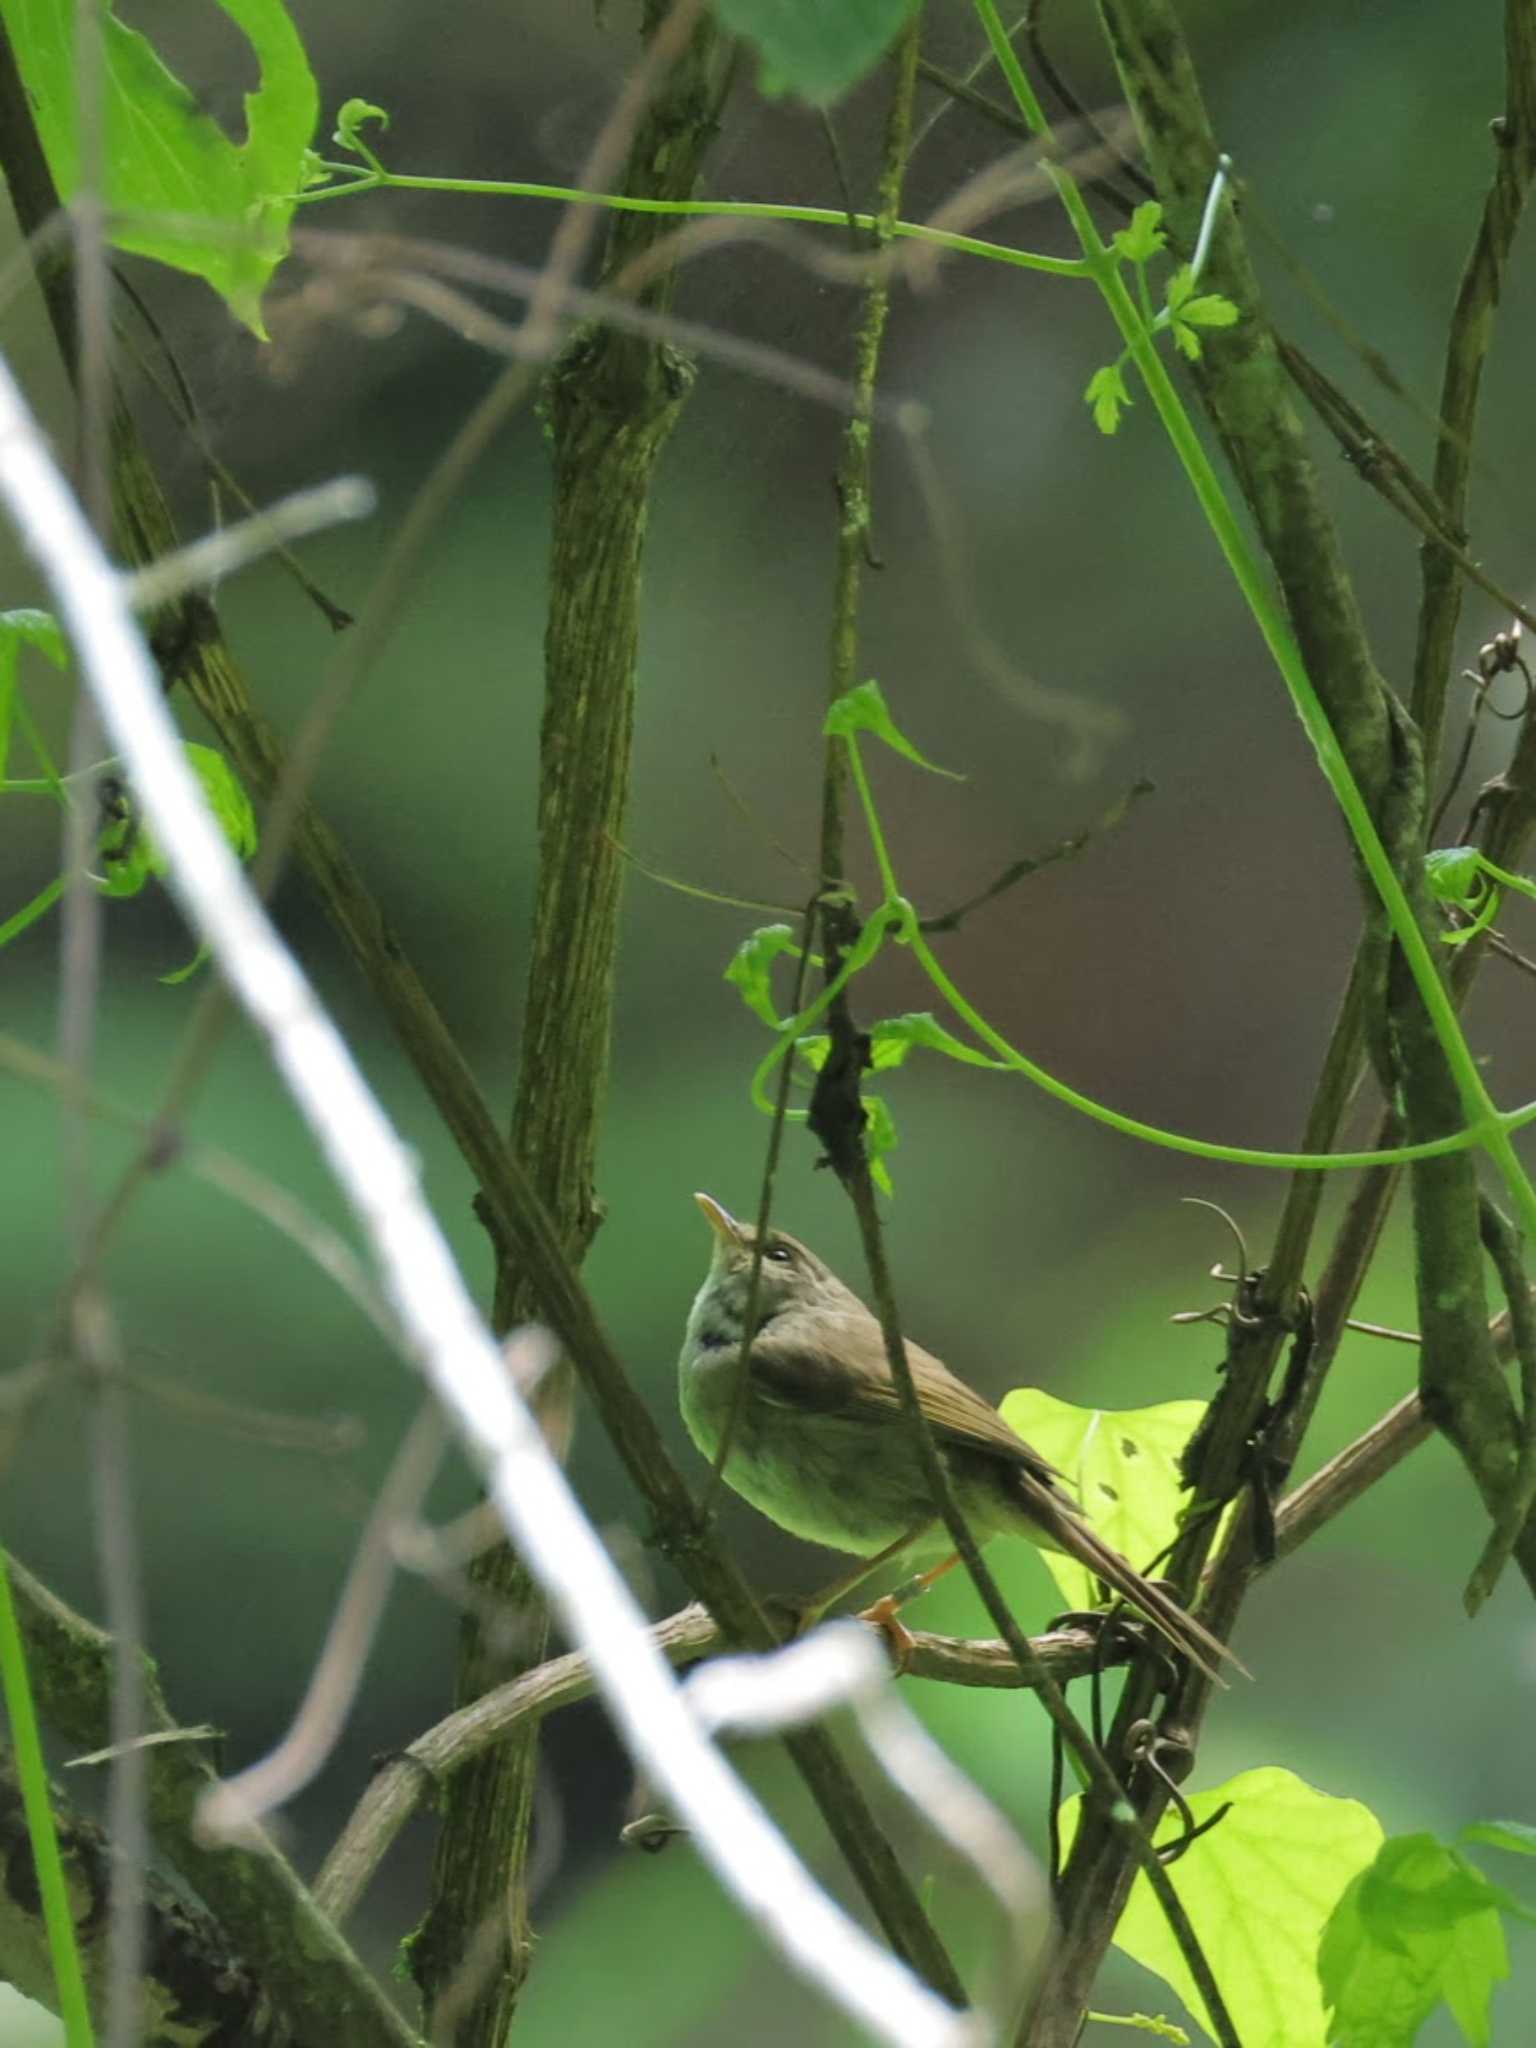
819 1441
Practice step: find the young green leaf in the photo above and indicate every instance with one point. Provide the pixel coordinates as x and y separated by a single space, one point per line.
1144 238
1209 310
129 855
226 797
1518 1836
863 709
352 117
1124 1465
811 49
894 1037
20 629
1419 1927
1455 875
1108 396
177 188
1213 312
879 1139
1259 1889
751 970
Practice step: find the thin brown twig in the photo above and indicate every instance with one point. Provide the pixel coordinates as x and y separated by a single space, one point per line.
742 1388
1031 864
837 1116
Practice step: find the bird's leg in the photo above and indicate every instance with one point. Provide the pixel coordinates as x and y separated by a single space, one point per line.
812 1610
885 1614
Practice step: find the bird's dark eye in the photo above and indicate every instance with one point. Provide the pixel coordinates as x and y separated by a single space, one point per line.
779 1253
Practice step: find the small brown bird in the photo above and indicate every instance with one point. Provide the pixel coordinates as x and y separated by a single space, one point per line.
821 1445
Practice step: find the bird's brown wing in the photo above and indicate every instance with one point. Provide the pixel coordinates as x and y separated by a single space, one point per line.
828 1363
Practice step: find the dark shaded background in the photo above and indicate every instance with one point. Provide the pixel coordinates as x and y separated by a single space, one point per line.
1184 970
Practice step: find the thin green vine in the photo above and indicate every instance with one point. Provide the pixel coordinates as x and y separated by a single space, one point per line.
58 1917
896 918
1485 1126
381 179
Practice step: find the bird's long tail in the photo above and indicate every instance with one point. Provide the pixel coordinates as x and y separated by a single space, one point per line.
1188 1636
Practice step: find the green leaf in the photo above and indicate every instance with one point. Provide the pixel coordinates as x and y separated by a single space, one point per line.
352 117
28 628
879 1139
1455 875
1209 310
1518 1836
1107 394
189 196
751 970
20 629
1124 1465
1180 287
894 1037
1259 1889
1187 314
1419 1927
811 48
226 797
863 709
1143 239
130 856
1186 340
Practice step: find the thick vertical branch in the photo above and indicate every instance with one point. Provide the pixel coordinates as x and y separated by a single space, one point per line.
1243 385
611 401
1477 303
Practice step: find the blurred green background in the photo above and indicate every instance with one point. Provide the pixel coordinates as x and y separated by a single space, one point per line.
1184 970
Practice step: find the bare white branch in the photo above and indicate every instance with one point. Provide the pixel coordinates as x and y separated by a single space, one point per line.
220 554
845 1664
444 1333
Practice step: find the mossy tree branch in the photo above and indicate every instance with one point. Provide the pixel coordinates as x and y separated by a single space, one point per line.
611 402
195 1991
1244 394
302 1963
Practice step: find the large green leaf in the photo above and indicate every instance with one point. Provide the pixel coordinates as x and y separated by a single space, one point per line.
1421 1925
815 49
1124 1465
1259 1890
186 194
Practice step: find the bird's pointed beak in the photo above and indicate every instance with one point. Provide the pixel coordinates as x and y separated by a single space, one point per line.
727 1230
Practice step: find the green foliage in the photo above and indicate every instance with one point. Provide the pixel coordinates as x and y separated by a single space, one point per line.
131 856
1123 1464
20 629
1186 311
811 49
1107 394
1465 877
864 709
751 969
1259 1890
186 194
1419 1928
352 117
893 1038
1515 1835
1144 238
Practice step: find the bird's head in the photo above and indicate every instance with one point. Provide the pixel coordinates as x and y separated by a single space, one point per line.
791 1275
